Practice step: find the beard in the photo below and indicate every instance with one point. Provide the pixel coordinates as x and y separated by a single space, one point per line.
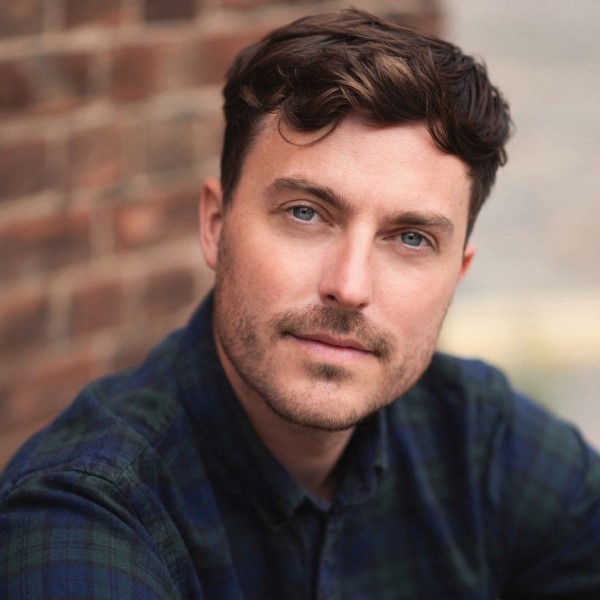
249 353
307 392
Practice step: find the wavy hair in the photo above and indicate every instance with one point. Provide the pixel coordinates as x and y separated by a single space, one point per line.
314 71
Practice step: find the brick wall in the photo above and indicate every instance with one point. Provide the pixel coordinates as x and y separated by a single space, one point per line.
109 120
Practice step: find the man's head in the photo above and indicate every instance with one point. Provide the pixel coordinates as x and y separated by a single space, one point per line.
315 71
353 154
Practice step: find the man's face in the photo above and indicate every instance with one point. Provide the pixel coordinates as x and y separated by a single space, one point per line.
335 264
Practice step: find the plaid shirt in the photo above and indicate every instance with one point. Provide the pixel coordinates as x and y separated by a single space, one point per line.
153 485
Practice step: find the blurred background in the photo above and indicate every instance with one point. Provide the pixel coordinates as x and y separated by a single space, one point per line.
532 300
110 118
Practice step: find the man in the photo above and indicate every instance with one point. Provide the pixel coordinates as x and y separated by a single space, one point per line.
300 438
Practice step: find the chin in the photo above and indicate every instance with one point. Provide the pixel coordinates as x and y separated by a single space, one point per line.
323 408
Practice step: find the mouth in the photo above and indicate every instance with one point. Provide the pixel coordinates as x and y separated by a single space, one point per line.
332 348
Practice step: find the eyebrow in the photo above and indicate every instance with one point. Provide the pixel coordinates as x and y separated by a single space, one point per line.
399 218
298 184
422 219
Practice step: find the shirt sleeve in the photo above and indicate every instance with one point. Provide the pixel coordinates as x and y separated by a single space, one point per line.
70 535
549 497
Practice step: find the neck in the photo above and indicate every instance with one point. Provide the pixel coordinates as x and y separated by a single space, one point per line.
311 456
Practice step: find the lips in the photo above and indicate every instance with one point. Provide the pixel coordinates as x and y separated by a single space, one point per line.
345 342
331 349
341 333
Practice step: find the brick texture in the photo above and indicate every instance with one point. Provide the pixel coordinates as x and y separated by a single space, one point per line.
44 246
155 221
95 156
160 10
110 116
168 291
93 12
96 307
45 83
217 51
23 169
24 323
136 72
169 144
20 18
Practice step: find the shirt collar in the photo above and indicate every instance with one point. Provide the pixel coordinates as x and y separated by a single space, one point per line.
226 435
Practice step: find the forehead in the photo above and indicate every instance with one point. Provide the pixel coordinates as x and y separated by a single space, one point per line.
391 167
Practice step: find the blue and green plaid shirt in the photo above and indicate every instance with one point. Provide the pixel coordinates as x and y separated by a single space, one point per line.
153 485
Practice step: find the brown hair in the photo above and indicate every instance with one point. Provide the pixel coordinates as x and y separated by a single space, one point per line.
317 69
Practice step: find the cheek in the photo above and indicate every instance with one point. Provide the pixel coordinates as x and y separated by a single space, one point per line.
265 268
418 303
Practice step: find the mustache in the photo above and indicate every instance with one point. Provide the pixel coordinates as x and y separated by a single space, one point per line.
336 322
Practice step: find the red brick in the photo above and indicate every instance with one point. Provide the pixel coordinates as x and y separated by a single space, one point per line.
181 213
427 19
75 73
96 307
169 144
163 218
178 58
21 18
47 384
17 89
44 244
256 3
23 324
149 330
131 353
95 157
139 225
45 83
244 3
92 12
216 53
168 292
135 73
161 10
23 169
14 437
210 136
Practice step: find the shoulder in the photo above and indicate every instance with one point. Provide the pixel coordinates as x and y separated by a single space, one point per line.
455 391
466 411
84 496
472 379
482 397
102 490
539 478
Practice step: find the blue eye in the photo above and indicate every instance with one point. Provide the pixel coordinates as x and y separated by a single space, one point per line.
412 238
303 213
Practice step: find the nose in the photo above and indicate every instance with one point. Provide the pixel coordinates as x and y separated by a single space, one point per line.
347 278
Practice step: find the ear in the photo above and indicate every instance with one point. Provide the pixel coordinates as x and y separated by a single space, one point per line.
467 258
211 220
